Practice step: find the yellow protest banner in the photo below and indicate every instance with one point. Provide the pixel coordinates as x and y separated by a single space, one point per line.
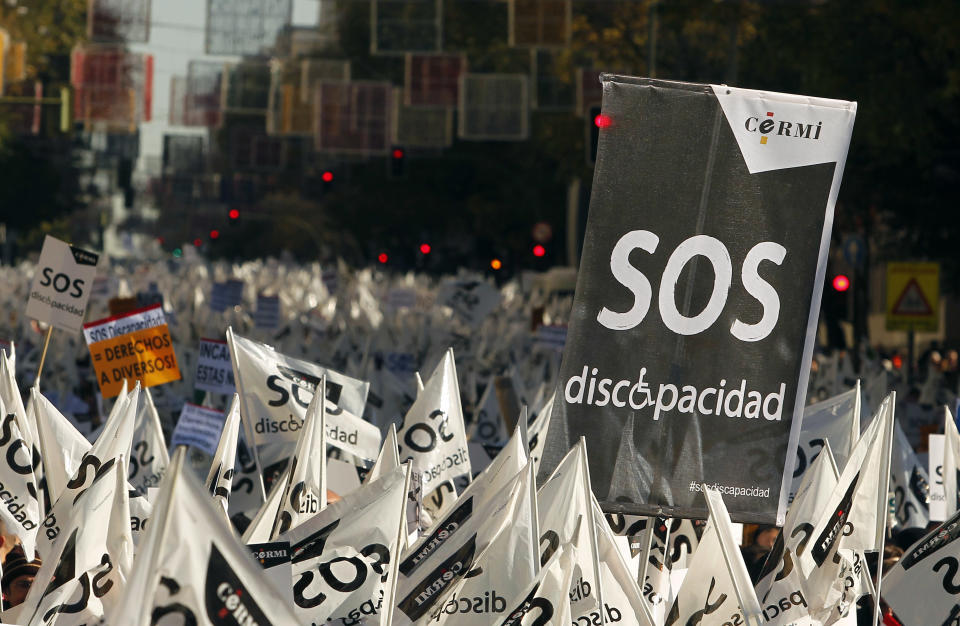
135 346
913 296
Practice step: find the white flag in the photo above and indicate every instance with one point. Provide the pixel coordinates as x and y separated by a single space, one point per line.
191 568
922 587
435 565
20 509
148 452
909 483
220 477
260 529
388 459
433 435
275 391
951 464
856 509
83 575
565 516
114 441
61 444
345 557
488 427
538 427
546 600
509 562
305 493
836 420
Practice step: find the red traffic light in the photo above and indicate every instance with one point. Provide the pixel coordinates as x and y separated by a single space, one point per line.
897 361
197 242
841 282
602 121
234 214
398 153
425 248
539 251
327 177
382 257
214 234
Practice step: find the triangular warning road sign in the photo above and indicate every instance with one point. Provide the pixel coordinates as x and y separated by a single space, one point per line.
912 301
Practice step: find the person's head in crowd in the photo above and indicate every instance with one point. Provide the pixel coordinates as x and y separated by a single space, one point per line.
952 362
18 575
935 359
765 536
891 556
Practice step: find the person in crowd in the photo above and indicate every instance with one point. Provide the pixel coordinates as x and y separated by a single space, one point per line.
18 575
755 553
891 556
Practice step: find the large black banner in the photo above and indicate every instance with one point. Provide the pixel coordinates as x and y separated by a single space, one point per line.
698 294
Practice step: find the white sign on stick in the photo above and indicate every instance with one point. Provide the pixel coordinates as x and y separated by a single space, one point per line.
214 369
198 426
62 284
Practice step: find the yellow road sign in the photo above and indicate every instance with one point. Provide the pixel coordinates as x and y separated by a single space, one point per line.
913 296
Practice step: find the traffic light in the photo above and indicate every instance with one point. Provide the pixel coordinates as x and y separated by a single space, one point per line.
425 248
234 216
382 258
841 283
214 234
596 121
398 163
539 251
496 264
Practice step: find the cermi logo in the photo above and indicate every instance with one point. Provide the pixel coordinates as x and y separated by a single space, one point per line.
767 126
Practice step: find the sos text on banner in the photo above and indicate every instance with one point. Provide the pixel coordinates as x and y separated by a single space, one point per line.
135 346
697 300
62 284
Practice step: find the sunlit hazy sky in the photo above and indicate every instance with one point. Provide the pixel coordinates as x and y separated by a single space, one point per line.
176 38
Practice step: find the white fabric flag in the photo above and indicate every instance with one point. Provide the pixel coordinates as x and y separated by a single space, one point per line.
477 497
433 435
546 601
83 575
388 459
20 511
857 507
344 557
565 515
538 426
305 493
488 427
247 493
654 565
275 391
148 452
429 570
260 529
191 569
717 583
509 562
61 444
909 483
622 598
114 441
220 477
836 420
10 395
951 464
922 587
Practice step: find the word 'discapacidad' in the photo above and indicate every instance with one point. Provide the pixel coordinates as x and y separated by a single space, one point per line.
133 346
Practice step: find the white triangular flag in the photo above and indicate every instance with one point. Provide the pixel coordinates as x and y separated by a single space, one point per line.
433 435
488 426
538 427
305 493
114 441
148 452
922 587
547 599
388 459
260 529
191 567
909 483
565 516
83 576
220 477
345 556
856 509
20 511
61 444
836 420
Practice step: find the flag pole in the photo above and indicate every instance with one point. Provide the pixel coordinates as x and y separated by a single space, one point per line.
43 355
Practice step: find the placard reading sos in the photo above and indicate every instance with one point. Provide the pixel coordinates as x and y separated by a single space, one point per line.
61 285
